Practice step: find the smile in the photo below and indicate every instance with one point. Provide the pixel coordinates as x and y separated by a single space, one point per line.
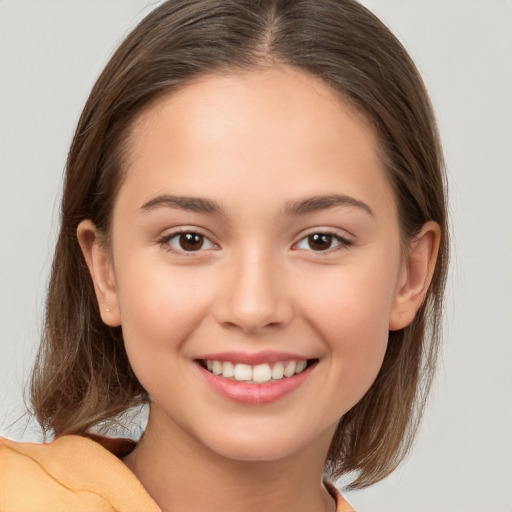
256 374
255 379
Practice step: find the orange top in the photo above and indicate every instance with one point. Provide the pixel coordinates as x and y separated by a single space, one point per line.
79 474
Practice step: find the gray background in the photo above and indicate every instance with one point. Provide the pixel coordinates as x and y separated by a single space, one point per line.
50 53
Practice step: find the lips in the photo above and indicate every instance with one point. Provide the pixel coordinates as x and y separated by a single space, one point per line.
255 378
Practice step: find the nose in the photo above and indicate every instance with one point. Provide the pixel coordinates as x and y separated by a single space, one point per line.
254 294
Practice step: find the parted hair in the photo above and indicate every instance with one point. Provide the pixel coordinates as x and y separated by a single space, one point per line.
82 376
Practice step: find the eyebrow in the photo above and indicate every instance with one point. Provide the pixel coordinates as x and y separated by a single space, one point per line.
319 203
294 208
192 204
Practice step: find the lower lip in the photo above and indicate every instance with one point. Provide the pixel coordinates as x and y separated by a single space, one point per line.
254 394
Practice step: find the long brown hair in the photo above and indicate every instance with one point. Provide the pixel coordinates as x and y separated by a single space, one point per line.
82 375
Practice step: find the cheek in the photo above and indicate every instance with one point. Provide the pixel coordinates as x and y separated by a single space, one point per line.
352 303
351 314
160 306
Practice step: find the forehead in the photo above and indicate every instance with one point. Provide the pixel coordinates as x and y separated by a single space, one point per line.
256 131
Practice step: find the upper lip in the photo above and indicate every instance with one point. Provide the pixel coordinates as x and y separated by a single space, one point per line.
253 358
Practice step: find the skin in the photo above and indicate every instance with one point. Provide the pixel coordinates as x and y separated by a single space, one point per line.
256 144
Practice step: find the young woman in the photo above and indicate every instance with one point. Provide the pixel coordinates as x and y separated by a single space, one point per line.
254 242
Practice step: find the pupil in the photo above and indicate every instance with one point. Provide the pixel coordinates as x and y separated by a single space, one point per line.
191 241
319 241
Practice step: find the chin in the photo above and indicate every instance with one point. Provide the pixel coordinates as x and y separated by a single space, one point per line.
260 446
261 452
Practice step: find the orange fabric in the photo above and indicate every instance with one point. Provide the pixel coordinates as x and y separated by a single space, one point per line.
74 473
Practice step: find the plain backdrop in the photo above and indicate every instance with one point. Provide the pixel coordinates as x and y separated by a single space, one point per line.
50 53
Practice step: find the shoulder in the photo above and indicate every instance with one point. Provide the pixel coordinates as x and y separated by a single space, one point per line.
70 473
342 505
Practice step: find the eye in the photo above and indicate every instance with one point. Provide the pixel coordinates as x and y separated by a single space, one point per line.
187 241
319 242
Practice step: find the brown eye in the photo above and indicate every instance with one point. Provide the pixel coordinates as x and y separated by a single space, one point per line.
186 242
320 241
191 241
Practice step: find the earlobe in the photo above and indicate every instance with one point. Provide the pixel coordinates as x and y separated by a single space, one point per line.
99 263
416 275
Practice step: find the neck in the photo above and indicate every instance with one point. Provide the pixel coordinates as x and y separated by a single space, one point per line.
181 475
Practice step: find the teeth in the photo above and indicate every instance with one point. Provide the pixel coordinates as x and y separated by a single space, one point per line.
217 368
290 368
278 371
243 372
228 369
301 365
261 373
257 374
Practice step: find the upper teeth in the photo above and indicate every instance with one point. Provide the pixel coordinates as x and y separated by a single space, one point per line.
258 373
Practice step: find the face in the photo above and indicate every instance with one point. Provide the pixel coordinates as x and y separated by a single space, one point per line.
255 262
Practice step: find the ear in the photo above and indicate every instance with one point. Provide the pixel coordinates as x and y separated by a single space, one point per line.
415 276
99 262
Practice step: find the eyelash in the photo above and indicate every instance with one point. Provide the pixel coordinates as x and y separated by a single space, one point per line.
342 242
165 242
